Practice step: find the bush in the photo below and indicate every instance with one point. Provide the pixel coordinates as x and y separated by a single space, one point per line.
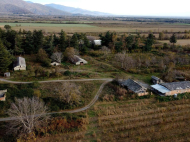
67 73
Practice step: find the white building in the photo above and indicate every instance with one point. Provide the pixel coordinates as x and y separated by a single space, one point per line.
7 74
19 64
97 42
3 95
55 64
78 61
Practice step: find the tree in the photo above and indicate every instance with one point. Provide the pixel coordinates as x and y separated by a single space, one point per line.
43 57
62 41
30 113
129 40
74 41
161 36
69 93
57 56
173 39
5 58
28 43
149 42
69 53
37 40
7 27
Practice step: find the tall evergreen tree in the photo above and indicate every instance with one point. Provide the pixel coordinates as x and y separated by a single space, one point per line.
74 41
28 43
55 40
5 58
38 40
173 39
62 41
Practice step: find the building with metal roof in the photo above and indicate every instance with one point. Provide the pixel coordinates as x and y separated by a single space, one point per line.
135 87
168 89
78 61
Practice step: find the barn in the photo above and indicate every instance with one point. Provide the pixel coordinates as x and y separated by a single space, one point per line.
78 61
169 89
19 64
135 87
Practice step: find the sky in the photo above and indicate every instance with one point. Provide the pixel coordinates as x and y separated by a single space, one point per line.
129 7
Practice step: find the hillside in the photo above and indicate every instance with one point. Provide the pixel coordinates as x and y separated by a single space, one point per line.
22 7
9 8
77 10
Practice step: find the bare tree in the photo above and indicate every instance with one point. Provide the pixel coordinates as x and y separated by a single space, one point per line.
69 93
29 113
69 53
105 49
57 56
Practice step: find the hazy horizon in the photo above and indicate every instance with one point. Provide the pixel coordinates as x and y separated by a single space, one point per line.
125 7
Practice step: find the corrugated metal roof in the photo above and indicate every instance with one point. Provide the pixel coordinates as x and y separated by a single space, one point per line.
177 85
160 88
133 85
20 62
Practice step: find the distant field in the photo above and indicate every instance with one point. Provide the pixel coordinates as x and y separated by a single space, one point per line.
44 25
99 26
179 42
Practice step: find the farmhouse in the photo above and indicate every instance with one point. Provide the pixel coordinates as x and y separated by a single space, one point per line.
169 89
19 64
3 95
78 61
156 80
134 87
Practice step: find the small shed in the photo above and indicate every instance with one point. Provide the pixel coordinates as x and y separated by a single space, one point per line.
156 80
97 42
3 95
78 61
19 64
7 74
55 64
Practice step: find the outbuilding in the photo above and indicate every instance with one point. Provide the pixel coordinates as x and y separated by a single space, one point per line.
3 95
156 80
19 64
97 42
7 74
78 61
55 64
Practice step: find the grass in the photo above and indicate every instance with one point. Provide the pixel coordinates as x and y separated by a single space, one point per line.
179 42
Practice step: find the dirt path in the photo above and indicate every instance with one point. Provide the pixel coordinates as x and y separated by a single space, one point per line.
69 111
49 81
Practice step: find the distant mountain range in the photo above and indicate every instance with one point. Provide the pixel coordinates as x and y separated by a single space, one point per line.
28 7
22 7
76 10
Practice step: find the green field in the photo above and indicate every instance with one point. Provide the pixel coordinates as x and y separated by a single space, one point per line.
44 25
